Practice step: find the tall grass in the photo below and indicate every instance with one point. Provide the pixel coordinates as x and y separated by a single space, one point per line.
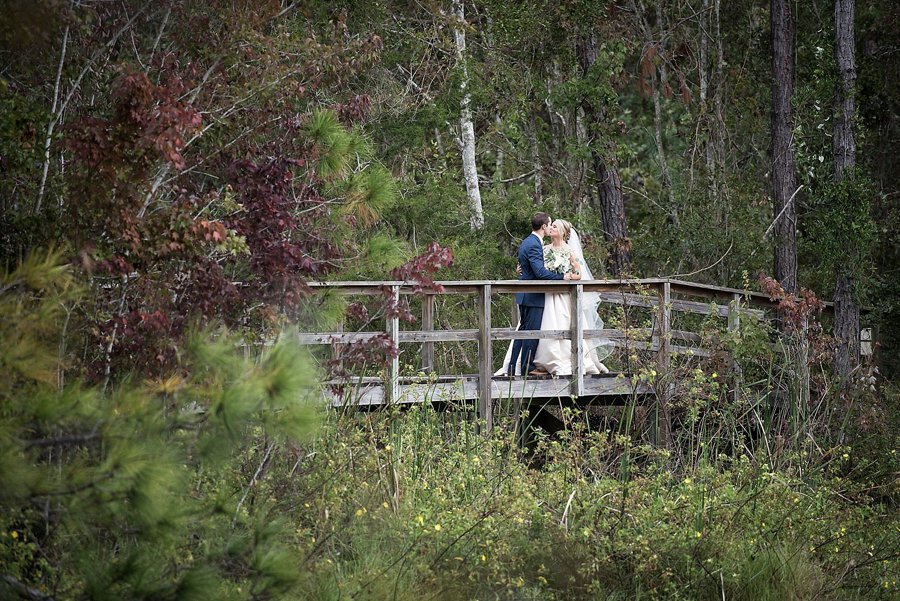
417 504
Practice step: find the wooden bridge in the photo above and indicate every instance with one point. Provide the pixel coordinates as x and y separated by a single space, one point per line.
660 300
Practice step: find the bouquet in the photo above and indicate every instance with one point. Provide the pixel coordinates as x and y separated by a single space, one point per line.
558 259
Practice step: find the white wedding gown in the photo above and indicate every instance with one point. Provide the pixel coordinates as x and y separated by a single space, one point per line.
555 356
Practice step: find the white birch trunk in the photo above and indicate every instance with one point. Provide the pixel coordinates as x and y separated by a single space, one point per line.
467 129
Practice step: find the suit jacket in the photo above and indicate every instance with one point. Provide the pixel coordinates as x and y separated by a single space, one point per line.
531 258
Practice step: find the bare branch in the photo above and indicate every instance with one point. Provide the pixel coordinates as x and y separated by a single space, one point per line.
57 112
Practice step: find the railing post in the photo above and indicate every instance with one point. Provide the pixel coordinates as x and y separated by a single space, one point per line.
662 358
734 312
734 322
485 407
576 298
393 330
428 326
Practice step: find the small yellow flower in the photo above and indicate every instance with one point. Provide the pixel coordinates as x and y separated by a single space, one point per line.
437 527
687 480
483 557
389 448
520 521
360 512
420 520
698 534
385 505
14 534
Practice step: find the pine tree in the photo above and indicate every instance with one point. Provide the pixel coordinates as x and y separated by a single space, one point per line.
141 491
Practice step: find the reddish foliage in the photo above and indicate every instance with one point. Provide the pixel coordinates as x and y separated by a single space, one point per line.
380 349
355 110
799 317
357 311
283 228
138 338
207 294
421 268
143 207
148 122
797 312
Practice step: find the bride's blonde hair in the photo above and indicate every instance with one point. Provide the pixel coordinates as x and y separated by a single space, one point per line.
566 228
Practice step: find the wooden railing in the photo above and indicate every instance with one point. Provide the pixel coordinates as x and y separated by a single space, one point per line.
660 295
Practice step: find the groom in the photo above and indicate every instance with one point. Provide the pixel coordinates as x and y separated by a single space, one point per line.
531 304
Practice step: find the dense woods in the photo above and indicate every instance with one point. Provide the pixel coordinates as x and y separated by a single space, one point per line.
173 173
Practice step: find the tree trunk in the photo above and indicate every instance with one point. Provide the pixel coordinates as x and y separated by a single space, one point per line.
654 42
846 326
536 164
612 212
705 111
784 175
719 94
609 185
660 78
846 309
499 158
844 142
467 129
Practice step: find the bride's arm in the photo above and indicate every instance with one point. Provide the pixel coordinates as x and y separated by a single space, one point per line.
576 267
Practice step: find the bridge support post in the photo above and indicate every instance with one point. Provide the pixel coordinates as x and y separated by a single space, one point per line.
428 326
393 330
485 371
734 322
734 312
576 297
663 356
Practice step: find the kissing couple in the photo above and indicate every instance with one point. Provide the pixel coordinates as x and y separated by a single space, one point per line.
561 259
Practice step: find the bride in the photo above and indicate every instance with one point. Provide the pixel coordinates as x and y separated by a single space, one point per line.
564 255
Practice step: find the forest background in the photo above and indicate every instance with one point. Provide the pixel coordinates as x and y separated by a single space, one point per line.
174 172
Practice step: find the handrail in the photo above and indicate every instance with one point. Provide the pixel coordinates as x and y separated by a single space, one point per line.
658 339
510 286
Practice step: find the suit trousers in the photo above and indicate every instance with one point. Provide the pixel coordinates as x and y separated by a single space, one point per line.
529 319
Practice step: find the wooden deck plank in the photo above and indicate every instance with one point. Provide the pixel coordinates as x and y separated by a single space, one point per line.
465 388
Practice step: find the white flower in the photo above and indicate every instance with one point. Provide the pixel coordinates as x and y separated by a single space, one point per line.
558 260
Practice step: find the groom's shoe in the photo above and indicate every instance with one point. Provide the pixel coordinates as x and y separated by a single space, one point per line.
537 373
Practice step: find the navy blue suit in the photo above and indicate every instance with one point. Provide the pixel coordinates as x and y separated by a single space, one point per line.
531 304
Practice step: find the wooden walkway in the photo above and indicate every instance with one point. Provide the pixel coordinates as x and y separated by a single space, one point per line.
660 299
